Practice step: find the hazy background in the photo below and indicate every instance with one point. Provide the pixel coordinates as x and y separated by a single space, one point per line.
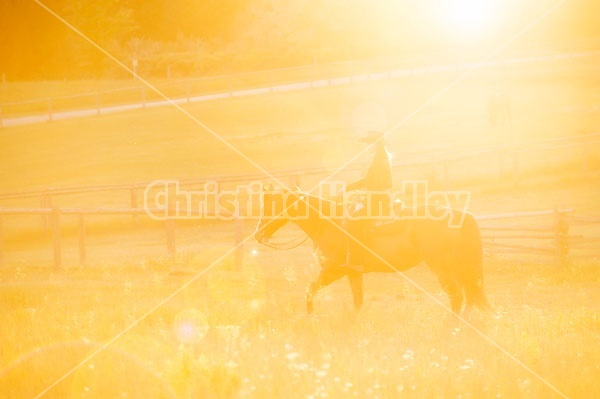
212 37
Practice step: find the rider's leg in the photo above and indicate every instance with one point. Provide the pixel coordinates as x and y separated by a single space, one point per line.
356 243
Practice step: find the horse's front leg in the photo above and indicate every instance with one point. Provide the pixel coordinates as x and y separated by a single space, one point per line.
327 276
311 291
356 285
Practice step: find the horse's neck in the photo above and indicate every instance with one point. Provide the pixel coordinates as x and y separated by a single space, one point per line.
310 224
317 214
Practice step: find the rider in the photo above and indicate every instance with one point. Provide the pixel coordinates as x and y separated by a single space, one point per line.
377 179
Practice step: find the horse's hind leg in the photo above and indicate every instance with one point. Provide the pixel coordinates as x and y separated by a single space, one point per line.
326 277
455 293
356 285
475 296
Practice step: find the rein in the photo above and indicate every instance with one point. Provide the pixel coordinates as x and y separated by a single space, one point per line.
286 246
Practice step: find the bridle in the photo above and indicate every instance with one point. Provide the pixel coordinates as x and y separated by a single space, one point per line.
285 246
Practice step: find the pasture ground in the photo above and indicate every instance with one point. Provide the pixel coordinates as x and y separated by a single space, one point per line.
312 128
245 333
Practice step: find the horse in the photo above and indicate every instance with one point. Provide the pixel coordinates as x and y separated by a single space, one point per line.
453 254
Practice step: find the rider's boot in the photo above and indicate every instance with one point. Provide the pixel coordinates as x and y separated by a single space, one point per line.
355 250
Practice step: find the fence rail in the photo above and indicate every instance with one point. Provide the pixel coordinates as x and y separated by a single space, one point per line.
439 161
558 243
555 239
54 222
497 235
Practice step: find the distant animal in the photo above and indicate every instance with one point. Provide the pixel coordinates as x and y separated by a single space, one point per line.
454 255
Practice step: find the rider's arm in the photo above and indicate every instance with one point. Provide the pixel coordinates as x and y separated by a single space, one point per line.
378 174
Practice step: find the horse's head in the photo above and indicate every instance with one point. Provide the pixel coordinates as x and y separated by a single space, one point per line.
278 206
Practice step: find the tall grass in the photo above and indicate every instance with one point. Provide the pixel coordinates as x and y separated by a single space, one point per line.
243 335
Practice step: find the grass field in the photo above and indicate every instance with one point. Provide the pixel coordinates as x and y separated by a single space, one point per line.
319 125
244 333
22 98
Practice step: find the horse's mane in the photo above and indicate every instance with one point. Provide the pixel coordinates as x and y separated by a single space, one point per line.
317 202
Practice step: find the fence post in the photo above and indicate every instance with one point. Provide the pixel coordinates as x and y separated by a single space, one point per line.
492 252
1 243
55 220
561 232
81 231
239 243
170 230
45 202
49 109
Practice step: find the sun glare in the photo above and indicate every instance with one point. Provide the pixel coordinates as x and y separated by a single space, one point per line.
468 19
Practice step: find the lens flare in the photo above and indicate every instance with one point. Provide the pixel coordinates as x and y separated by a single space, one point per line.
190 326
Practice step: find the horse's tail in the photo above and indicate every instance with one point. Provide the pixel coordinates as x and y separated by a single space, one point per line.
471 254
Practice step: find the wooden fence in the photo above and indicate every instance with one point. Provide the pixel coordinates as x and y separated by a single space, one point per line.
511 161
53 216
550 239
558 243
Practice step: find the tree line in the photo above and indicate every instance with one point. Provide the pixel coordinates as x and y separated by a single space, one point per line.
204 37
